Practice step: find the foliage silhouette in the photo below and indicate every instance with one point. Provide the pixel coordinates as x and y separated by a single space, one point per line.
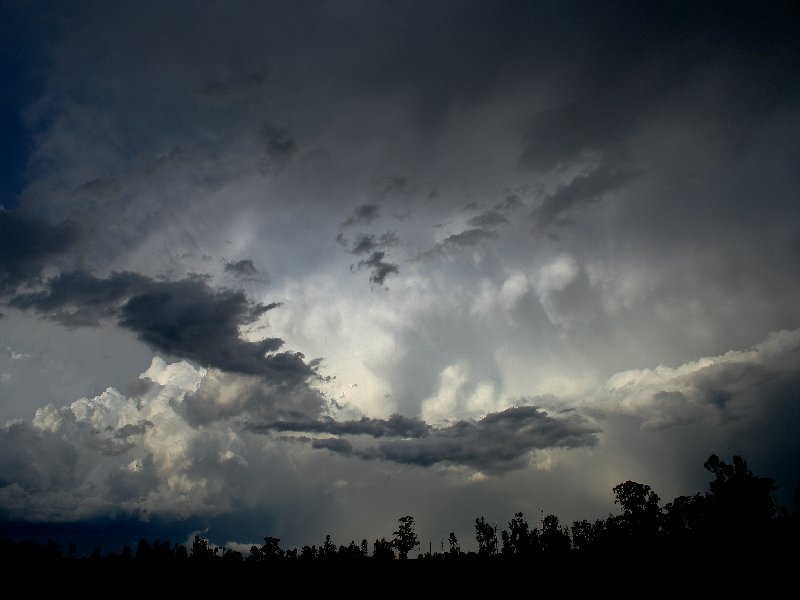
737 517
486 536
405 538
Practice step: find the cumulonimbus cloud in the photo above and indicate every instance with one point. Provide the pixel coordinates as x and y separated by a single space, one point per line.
715 389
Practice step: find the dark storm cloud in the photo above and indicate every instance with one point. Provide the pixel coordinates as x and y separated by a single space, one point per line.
395 426
510 202
81 297
224 395
627 64
26 244
483 226
245 268
235 82
468 238
364 214
187 319
378 267
708 394
716 389
369 242
279 147
390 185
130 429
337 445
558 207
488 220
498 442
496 216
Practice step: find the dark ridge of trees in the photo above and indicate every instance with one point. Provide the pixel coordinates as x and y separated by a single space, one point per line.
738 516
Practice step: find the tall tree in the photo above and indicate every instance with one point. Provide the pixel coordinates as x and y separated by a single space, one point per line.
455 547
486 536
405 538
517 540
640 510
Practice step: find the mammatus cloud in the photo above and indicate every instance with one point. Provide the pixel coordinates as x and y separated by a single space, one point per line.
186 319
498 442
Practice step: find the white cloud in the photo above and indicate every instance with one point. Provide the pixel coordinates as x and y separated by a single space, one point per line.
556 277
111 454
714 388
460 396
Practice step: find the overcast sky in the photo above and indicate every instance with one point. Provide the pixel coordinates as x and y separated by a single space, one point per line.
298 268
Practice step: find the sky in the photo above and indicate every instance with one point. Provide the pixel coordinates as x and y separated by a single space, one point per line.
301 268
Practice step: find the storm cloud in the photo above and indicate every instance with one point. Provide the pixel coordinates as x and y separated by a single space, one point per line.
26 246
362 215
395 426
568 198
586 207
497 442
186 319
378 267
244 268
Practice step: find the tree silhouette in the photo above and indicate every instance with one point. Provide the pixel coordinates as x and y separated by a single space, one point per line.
200 549
405 538
739 506
554 539
271 549
517 540
641 515
383 550
328 549
308 552
584 538
486 536
455 548
737 519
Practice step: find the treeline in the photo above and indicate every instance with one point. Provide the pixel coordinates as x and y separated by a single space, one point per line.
738 514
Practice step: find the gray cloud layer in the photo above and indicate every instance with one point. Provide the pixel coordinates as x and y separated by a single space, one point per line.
498 442
395 426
